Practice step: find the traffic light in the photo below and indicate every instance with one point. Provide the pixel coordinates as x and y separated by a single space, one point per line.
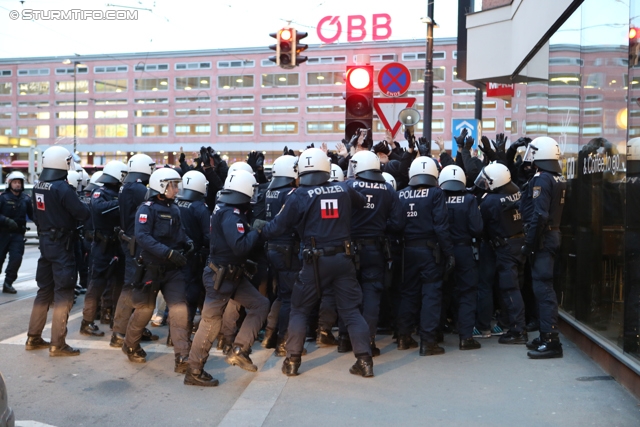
634 46
359 100
299 47
287 47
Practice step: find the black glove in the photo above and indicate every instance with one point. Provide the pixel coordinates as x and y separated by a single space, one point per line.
521 142
177 258
468 142
216 160
288 152
310 146
501 142
451 263
204 156
381 147
526 250
353 142
259 224
424 148
189 249
252 160
460 139
11 224
182 157
486 149
259 162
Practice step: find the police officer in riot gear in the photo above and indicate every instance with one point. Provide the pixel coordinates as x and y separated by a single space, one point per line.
74 178
224 279
321 212
428 256
162 240
372 251
337 174
542 206
107 265
56 214
465 226
132 195
503 228
195 218
15 206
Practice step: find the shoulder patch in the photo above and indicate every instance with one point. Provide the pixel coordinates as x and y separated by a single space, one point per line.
536 191
240 227
149 203
96 195
142 219
236 211
537 174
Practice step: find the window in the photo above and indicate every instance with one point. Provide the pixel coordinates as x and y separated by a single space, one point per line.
5 88
5 73
564 110
468 92
593 98
198 129
558 129
454 74
325 78
280 97
5 116
565 79
327 95
267 63
111 114
279 128
33 88
510 125
109 102
109 86
537 95
111 131
471 105
193 66
7 104
565 61
592 129
45 115
414 56
383 57
82 131
531 109
489 124
150 113
275 80
193 99
34 72
237 98
37 132
151 130
594 80
417 74
111 69
235 128
151 84
69 115
81 70
325 127
236 64
82 86
536 127
193 111
279 110
227 82
437 125
565 97
59 103
325 109
327 60
141 66
507 105
6 131
235 110
188 83
592 111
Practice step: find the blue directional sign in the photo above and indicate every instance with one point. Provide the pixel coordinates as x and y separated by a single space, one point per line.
456 128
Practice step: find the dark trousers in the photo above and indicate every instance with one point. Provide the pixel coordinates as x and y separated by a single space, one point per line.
107 273
422 280
286 276
194 288
542 279
242 292
56 277
465 277
487 276
124 306
12 244
509 265
171 283
337 275
371 276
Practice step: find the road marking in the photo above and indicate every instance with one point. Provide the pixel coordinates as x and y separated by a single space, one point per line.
32 424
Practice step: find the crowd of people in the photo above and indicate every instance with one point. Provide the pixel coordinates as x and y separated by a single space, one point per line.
368 238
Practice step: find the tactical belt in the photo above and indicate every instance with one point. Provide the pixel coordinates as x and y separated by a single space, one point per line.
419 243
329 250
160 269
370 241
283 249
109 238
463 242
516 236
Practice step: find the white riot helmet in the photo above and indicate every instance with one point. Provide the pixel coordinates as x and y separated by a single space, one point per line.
12 177
114 173
160 180
633 155
314 167
238 188
140 167
74 178
495 177
93 182
423 171
390 179
194 186
284 171
452 178
337 174
55 163
366 165
240 166
85 179
544 153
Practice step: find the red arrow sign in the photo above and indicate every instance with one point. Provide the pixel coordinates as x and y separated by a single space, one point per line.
388 110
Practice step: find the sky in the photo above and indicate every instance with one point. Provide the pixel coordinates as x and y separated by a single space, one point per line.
165 25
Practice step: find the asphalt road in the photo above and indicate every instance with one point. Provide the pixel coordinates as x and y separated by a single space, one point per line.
494 386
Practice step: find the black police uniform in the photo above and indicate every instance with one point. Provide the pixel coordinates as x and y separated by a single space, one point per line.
13 224
465 224
323 213
427 246
503 229
107 268
231 240
57 211
83 245
158 232
542 206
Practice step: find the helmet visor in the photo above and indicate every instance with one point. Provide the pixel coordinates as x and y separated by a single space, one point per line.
483 181
530 153
174 184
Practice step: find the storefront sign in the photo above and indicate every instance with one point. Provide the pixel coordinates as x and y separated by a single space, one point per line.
497 90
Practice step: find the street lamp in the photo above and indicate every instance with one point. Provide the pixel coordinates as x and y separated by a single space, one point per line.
428 75
76 64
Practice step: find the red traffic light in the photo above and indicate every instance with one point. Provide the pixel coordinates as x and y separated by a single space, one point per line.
634 33
359 78
285 34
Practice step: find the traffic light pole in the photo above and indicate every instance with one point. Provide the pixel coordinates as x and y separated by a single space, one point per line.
428 78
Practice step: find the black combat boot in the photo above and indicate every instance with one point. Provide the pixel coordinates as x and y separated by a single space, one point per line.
270 338
63 351
325 338
281 348
550 347
344 344
363 366
375 351
513 337
135 355
7 288
534 343
469 344
90 329
107 316
439 336
199 377
430 348
116 340
405 342
239 357
36 343
148 336
182 362
290 365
